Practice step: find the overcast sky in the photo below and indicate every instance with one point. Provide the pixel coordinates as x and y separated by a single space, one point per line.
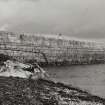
75 18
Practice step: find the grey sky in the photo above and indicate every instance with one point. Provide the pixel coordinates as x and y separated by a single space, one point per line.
77 18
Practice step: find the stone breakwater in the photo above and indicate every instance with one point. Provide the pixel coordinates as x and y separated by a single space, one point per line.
18 91
50 49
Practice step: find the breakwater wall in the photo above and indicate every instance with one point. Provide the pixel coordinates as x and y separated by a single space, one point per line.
50 49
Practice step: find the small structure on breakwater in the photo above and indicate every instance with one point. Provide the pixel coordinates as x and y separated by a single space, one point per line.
49 49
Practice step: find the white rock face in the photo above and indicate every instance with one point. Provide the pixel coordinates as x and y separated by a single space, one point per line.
17 69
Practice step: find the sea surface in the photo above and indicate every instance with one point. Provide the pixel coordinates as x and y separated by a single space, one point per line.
87 77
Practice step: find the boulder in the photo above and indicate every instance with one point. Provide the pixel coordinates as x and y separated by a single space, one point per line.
17 69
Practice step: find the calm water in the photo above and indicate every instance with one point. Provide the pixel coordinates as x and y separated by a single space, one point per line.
88 77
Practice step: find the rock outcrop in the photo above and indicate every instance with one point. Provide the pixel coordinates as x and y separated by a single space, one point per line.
25 84
17 69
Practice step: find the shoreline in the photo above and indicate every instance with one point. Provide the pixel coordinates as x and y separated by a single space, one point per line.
43 92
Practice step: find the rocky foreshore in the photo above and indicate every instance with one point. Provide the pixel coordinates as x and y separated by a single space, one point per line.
22 91
26 84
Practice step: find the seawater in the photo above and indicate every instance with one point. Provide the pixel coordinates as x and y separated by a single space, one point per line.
86 77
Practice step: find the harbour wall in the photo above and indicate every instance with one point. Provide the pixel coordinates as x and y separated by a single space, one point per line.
49 49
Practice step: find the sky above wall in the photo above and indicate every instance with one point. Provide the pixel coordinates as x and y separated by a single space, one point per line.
75 18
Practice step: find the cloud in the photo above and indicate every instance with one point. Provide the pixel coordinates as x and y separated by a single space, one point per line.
19 0
73 17
4 27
